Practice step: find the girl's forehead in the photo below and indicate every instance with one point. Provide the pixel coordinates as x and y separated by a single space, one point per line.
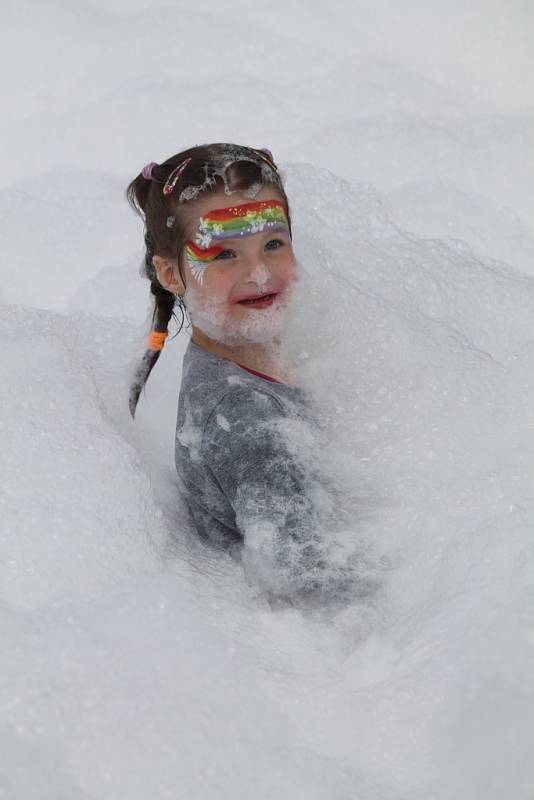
218 225
219 201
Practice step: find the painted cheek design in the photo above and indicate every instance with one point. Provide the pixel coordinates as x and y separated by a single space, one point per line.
243 220
198 259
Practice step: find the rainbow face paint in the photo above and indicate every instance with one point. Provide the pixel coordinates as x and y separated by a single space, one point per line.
234 222
199 259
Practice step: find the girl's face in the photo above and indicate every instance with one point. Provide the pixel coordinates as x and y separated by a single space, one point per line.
237 252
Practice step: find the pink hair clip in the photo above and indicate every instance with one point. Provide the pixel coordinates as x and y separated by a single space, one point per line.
172 180
146 172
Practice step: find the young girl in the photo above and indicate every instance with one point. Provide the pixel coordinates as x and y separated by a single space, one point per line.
218 244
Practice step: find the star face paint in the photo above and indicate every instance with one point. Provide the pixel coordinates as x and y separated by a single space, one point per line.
234 222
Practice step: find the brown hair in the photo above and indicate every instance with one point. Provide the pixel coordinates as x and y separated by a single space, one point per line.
209 168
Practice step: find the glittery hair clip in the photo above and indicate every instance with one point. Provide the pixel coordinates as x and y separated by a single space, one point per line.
173 178
146 172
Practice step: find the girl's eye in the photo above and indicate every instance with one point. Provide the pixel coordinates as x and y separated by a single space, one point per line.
274 244
224 255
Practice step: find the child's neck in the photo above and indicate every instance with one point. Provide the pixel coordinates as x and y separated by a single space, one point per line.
266 358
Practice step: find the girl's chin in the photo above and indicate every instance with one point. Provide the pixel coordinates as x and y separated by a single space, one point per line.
247 326
238 323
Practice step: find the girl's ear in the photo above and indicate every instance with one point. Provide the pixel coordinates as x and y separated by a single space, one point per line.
168 275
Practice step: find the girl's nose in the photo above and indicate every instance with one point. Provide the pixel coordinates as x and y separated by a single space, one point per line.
258 273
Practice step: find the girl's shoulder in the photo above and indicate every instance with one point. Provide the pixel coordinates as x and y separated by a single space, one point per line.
213 385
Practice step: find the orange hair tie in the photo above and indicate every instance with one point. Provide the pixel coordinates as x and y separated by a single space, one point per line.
156 339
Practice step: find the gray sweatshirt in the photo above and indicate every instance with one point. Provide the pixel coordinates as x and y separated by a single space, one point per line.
244 456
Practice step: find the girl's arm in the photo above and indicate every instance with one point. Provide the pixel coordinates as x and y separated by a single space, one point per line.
276 497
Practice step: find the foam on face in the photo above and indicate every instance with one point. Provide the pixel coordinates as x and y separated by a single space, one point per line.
210 315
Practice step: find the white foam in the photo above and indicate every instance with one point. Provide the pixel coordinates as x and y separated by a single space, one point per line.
134 661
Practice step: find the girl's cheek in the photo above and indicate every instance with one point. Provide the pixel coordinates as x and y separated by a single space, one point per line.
215 288
289 268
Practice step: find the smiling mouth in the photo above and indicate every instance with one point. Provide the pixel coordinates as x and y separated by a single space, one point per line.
256 300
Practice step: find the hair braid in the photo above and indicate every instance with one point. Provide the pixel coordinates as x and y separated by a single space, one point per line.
164 302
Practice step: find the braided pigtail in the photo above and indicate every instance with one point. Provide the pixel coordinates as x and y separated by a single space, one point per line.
164 302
